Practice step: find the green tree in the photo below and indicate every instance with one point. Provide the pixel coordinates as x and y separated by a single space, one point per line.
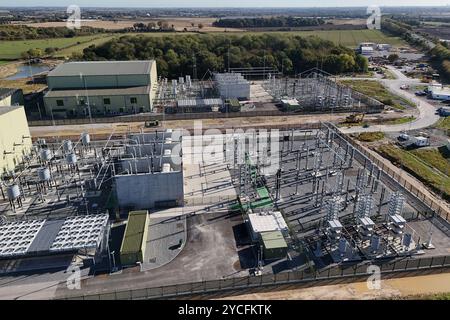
393 57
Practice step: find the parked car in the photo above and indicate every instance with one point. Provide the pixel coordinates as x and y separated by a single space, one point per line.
420 93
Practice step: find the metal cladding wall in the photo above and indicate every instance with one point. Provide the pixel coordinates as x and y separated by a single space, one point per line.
134 240
15 141
97 81
118 103
142 191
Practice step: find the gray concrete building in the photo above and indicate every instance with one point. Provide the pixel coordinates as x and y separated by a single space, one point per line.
150 173
101 88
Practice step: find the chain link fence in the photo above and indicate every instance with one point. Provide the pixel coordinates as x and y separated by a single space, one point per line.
431 205
291 277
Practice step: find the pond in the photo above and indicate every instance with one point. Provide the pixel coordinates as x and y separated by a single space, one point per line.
25 71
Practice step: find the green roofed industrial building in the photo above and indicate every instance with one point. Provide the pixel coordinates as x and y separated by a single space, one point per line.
134 240
101 88
274 245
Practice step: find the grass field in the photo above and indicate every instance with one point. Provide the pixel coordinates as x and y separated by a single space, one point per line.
370 136
444 123
400 120
376 90
21 84
13 49
436 157
66 52
348 38
420 168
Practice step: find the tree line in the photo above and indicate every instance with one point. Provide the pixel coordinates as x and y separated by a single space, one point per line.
22 32
440 54
177 55
272 22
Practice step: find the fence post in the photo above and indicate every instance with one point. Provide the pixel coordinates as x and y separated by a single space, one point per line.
443 262
393 267
431 262
406 265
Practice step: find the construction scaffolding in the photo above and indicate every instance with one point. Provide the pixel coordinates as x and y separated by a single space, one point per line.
317 90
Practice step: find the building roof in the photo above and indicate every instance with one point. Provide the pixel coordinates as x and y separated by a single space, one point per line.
439 90
134 231
6 92
290 102
21 238
273 240
99 92
7 109
273 221
98 68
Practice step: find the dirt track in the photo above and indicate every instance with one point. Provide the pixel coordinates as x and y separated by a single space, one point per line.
107 128
390 288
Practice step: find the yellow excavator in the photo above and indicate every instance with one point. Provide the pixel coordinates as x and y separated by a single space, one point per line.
355 118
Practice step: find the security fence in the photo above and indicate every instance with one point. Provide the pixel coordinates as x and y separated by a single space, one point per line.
193 116
266 280
424 200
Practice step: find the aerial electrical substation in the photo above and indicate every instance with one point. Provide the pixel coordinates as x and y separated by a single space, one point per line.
291 198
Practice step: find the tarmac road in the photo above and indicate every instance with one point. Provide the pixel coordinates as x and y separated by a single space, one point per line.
427 112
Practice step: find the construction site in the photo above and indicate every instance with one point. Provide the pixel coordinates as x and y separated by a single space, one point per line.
269 201
336 204
311 91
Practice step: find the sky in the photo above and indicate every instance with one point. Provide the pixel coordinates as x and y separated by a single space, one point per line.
222 3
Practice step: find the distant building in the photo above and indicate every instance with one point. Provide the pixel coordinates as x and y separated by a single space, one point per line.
232 85
439 92
101 88
368 44
15 139
383 46
290 104
11 97
366 51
